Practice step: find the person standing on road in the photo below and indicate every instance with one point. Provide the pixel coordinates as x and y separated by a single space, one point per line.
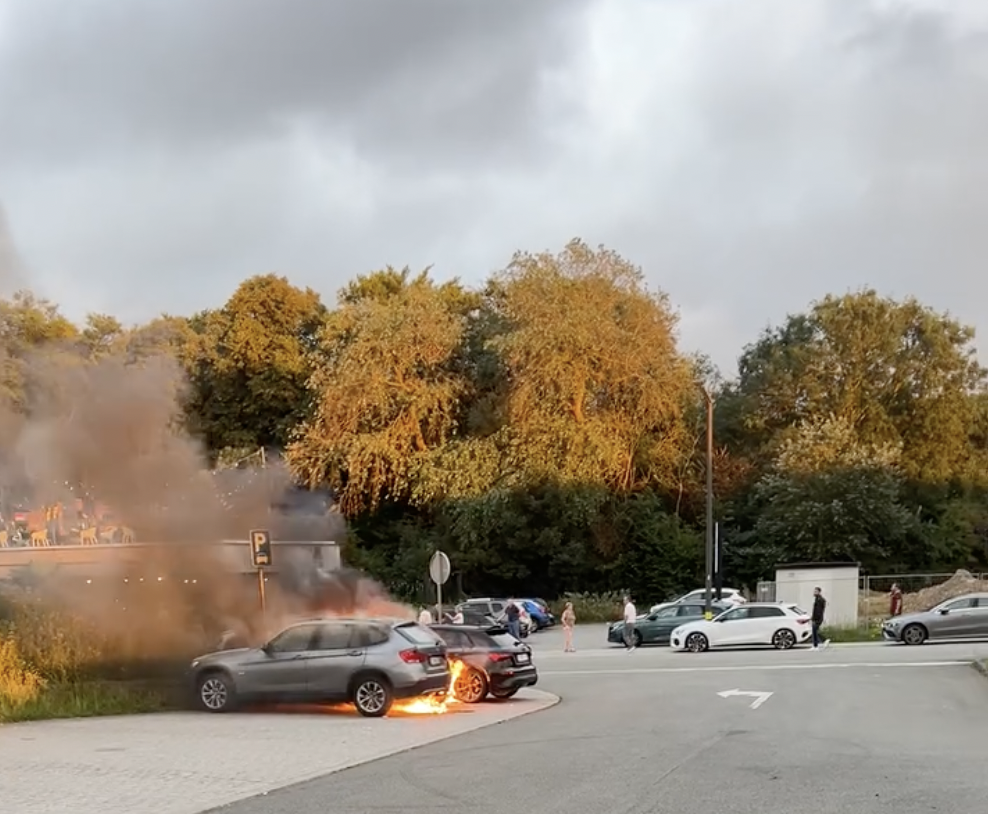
425 617
630 614
817 617
895 600
568 620
512 614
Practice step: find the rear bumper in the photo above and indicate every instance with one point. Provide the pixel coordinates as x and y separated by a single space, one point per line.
515 678
426 686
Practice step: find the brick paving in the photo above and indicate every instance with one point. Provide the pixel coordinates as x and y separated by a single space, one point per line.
186 763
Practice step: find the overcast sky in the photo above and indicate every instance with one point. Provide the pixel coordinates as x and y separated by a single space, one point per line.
750 155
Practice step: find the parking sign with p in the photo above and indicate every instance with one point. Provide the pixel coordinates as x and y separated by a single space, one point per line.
260 547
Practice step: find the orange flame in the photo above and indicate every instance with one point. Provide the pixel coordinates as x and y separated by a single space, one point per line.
434 704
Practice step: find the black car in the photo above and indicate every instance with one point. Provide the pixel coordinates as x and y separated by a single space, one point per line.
496 662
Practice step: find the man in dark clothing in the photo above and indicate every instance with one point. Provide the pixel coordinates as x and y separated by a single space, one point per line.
817 616
513 615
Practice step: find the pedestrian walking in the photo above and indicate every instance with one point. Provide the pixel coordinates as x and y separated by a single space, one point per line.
569 621
512 614
630 614
895 600
816 618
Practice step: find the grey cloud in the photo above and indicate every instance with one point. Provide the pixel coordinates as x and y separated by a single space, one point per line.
430 80
751 156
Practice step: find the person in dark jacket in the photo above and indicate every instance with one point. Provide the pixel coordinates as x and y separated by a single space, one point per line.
817 617
512 614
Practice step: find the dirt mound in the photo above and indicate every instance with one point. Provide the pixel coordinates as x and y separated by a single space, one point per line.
962 582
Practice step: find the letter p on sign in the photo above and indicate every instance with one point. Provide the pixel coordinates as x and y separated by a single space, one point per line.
260 547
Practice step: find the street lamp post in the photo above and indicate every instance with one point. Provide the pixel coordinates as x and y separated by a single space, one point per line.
708 587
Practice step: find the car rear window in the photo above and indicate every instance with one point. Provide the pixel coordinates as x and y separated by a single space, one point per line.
417 634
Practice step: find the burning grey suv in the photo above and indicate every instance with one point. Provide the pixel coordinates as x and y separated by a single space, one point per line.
964 617
369 663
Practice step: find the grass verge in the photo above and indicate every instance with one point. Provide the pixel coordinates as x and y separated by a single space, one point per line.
871 632
85 700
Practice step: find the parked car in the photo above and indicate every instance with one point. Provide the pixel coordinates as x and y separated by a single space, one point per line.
964 617
540 615
781 625
655 627
369 663
730 596
495 608
497 663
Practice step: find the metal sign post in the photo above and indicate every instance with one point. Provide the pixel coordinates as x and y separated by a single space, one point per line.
260 557
439 570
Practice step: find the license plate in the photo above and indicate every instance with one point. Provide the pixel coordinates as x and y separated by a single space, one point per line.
436 661
523 658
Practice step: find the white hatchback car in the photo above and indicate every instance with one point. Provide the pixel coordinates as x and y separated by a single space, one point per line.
779 624
732 596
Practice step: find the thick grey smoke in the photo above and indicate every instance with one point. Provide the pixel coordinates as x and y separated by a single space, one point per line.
113 429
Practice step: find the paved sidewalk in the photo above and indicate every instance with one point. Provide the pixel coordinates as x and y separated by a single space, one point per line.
185 763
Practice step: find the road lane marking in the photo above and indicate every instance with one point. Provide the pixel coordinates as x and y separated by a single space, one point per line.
756 668
760 697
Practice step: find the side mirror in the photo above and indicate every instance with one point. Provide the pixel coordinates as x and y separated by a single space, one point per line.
652 617
267 649
944 611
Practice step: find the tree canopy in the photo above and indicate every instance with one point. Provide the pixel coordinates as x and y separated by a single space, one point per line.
547 431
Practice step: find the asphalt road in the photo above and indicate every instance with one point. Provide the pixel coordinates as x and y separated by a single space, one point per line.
848 730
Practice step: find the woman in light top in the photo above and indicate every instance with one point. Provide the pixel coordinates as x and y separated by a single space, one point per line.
568 620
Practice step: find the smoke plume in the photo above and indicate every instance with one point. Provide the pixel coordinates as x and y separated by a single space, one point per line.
112 429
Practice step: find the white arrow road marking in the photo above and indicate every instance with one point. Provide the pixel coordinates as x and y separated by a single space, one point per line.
760 697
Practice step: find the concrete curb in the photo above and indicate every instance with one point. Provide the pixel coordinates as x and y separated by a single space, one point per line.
544 700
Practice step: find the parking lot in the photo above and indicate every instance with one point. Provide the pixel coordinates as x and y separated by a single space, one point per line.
849 730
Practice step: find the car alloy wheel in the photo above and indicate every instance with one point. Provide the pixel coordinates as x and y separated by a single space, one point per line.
696 642
372 698
914 634
214 693
471 686
783 639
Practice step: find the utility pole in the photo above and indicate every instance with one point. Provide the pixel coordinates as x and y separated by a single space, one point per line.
707 596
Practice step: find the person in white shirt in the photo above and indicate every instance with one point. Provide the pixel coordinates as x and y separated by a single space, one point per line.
458 618
630 614
425 618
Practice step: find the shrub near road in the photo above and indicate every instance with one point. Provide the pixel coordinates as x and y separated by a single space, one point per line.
52 666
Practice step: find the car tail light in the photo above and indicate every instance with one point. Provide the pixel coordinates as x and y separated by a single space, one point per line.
803 620
500 656
412 657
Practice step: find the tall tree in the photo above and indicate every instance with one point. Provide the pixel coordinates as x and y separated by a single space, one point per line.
250 362
597 388
387 388
894 371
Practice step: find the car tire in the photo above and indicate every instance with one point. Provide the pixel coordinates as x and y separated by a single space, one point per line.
914 634
215 692
697 643
372 696
636 638
471 686
783 639
502 695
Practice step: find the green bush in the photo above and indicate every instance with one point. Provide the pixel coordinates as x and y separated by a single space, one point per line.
591 608
54 665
